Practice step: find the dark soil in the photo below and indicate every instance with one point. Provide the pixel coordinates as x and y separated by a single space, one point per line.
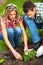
10 60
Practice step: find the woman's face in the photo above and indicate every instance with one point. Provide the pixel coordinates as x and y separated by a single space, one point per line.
12 15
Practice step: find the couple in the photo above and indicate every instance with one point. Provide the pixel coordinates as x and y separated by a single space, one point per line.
10 32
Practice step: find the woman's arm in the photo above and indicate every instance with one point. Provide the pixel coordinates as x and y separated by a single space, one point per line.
24 35
4 33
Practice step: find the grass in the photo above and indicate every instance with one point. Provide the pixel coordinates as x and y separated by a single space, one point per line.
16 2
3 47
1 60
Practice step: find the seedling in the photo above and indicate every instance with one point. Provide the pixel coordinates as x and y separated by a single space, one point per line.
29 55
1 60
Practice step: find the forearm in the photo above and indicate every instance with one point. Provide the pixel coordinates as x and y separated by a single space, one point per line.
25 39
5 37
24 34
7 42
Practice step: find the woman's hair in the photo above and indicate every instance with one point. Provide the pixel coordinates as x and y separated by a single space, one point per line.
10 7
28 5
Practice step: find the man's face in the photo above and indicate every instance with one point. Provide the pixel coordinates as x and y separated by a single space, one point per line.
31 13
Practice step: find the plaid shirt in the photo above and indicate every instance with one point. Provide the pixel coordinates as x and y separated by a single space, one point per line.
8 24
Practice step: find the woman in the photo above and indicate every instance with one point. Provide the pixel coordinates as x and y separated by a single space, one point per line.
9 30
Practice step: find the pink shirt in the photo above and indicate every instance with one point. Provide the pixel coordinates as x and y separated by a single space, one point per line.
8 24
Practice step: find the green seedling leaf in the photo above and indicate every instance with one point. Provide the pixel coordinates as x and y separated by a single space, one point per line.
29 55
1 60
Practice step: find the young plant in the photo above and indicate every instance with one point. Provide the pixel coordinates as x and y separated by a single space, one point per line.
1 60
29 55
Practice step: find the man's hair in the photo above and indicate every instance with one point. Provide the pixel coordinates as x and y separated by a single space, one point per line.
28 5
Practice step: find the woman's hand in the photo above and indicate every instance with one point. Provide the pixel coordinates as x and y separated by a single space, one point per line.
17 55
25 48
28 50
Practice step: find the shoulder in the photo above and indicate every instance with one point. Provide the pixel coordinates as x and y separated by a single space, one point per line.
19 19
26 18
2 23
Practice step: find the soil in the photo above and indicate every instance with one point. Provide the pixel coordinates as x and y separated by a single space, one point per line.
10 60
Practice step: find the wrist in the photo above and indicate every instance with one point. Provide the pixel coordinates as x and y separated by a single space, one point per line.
14 52
25 48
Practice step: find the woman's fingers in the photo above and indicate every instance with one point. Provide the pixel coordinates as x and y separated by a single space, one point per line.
17 56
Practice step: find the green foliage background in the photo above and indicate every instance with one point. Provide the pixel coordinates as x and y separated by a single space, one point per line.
17 2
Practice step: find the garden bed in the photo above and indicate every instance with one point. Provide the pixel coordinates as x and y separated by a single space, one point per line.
10 60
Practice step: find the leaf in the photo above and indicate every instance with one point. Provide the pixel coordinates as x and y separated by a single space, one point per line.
29 55
1 60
